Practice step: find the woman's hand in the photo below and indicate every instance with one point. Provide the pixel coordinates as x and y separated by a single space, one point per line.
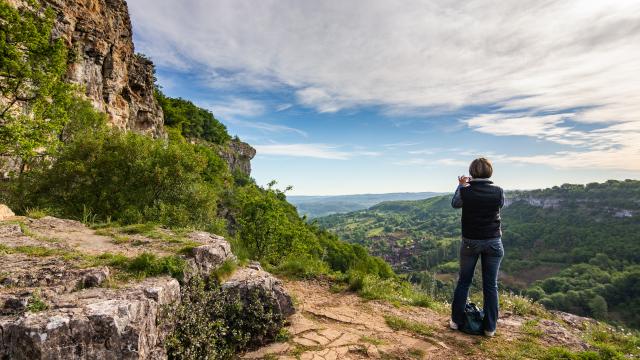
464 180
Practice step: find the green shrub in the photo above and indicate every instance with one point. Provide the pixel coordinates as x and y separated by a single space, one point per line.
36 303
269 227
303 267
128 177
212 324
191 121
398 323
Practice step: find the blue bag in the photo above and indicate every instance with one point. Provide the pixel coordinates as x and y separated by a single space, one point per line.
473 320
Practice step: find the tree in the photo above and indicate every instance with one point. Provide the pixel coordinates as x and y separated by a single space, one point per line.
598 307
34 98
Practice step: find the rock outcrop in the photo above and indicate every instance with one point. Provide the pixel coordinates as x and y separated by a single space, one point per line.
238 156
103 61
54 306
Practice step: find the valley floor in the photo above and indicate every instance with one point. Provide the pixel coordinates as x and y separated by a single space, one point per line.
330 325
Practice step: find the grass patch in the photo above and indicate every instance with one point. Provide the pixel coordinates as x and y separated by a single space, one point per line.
302 267
530 328
608 343
372 340
610 340
398 323
337 288
416 353
523 306
35 303
283 335
141 229
39 251
36 213
143 265
393 290
119 239
225 270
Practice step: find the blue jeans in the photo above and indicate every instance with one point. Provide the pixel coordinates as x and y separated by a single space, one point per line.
491 253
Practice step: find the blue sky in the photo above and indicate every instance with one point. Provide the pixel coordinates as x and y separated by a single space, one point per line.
389 96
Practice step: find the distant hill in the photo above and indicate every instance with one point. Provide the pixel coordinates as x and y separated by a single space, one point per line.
315 206
572 247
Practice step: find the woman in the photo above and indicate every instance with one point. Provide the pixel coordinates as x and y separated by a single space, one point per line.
480 201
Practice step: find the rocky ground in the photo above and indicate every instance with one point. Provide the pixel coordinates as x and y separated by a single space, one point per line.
330 325
59 299
64 293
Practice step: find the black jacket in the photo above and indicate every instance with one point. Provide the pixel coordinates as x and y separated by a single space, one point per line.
481 202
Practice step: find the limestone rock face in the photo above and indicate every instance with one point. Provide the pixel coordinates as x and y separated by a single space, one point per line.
238 156
103 61
100 324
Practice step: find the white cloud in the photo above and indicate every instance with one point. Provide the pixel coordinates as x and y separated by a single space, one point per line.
268 127
401 144
614 146
431 162
548 127
552 55
237 110
283 107
320 151
236 107
577 58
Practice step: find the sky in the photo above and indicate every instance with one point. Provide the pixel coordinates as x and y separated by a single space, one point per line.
376 96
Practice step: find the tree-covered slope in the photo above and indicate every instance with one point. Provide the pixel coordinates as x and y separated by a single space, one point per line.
574 247
316 206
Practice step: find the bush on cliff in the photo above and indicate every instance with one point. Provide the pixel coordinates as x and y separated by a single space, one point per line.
190 120
212 324
129 178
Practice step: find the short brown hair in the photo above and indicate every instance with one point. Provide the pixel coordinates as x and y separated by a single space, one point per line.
481 168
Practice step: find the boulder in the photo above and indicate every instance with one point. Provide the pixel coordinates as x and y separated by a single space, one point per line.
5 212
97 323
213 252
252 278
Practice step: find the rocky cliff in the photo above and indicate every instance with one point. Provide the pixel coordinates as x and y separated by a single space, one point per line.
103 61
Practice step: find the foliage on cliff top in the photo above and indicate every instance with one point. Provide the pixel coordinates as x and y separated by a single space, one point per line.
190 120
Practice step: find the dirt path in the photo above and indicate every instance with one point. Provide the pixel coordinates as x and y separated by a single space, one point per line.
344 326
